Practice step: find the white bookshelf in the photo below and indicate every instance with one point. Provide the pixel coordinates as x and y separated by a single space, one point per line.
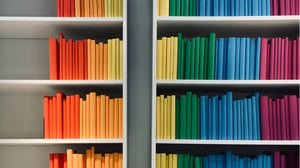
21 124
224 26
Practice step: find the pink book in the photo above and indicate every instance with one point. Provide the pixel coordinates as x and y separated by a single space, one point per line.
293 8
283 120
297 7
279 124
263 58
268 62
282 161
297 57
287 116
294 60
289 59
264 118
276 52
282 7
275 120
272 7
286 57
276 159
293 117
272 58
283 56
270 104
291 159
288 7
276 7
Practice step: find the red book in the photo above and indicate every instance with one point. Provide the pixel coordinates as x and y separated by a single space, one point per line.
65 160
61 160
294 60
275 7
287 7
268 62
275 123
85 60
297 56
263 59
270 104
297 11
283 120
272 58
294 132
70 63
72 116
75 60
287 116
77 116
54 117
282 161
64 59
56 160
51 160
58 8
51 117
68 102
276 159
81 60
293 8
53 58
46 117
282 7
279 124
264 118
72 8
65 118
60 67
62 8
67 8
59 111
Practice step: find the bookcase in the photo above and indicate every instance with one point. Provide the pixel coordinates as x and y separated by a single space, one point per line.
223 26
25 27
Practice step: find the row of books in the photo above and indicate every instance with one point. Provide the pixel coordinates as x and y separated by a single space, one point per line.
221 117
228 160
85 59
89 8
227 58
90 159
227 7
73 117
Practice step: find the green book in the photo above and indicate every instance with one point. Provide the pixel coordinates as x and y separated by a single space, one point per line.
183 58
201 162
197 162
201 58
191 7
194 117
205 58
186 8
177 120
182 7
186 160
197 47
180 161
211 55
192 162
189 115
188 60
192 64
177 5
172 7
195 8
179 55
182 117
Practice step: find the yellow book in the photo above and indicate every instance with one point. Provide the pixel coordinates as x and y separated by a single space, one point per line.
93 59
111 118
106 7
97 77
121 60
157 160
98 115
89 57
109 64
165 122
164 58
173 116
163 160
164 7
80 160
159 59
169 101
81 118
158 133
113 59
88 116
88 158
117 48
167 160
116 120
162 115
120 117
174 161
168 60
175 47
87 8
84 123
70 158
171 58
98 160
102 116
77 8
107 117
170 161
109 8
157 7
93 157
93 112
101 60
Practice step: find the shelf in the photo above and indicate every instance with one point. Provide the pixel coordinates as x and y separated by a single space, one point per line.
229 142
58 141
45 27
264 26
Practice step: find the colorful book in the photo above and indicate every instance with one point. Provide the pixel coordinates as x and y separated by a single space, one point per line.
211 55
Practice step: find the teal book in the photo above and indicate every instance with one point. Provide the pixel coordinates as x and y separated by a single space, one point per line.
197 162
192 161
178 7
179 57
172 7
186 160
192 64
197 54
186 8
183 115
203 117
211 55
188 60
198 118
194 117
209 118
177 119
180 161
189 115
201 58
205 58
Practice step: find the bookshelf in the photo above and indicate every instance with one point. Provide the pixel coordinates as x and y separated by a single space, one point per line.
223 26
24 79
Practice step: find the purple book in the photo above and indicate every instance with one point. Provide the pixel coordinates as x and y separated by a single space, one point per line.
268 61
283 120
297 56
282 161
275 120
264 118
276 159
287 7
263 59
293 117
287 116
276 52
282 59
279 124
272 54
271 119
294 60
286 57
282 7
289 67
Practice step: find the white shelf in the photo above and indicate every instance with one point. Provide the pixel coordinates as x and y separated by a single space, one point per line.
229 142
45 27
61 82
58 141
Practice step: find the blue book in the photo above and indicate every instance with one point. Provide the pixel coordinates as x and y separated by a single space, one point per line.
229 8
260 161
246 126
231 58
242 163
189 115
264 161
270 161
257 105
237 8
242 7
228 159
242 59
250 119
220 58
229 115
250 8
226 8
202 7
203 120
254 117
197 7
233 157
220 120
224 117
205 162
216 7
246 8
221 8
254 7
263 8
235 120
260 7
216 59
252 59
219 161
242 120
224 76
214 101
217 116
237 59
239 125
257 58
268 8
212 159
247 59
208 8
232 7
209 118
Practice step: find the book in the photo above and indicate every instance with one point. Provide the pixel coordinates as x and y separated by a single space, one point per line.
237 58
257 58
242 58
202 62
53 58
203 117
211 55
187 74
59 111
263 59
252 59
231 58
54 117
164 7
158 115
293 110
224 117
264 112
47 118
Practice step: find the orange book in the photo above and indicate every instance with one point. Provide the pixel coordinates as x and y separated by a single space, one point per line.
98 8
60 57
102 8
102 116
67 8
97 62
70 63
51 160
93 115
77 8
85 60
93 157
102 161
77 116
89 58
88 158
95 5
87 8
116 160
81 60
120 160
74 60
75 161
70 158
82 12
98 160
59 111
67 53
72 8
109 59
116 119
80 160
120 117
91 8
63 59
54 117
101 55
107 162
105 62
64 118
93 59
98 114
46 118
111 118
106 117
51 122
53 58
58 8
84 128
72 107
84 160
111 160
80 118
88 116
68 118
